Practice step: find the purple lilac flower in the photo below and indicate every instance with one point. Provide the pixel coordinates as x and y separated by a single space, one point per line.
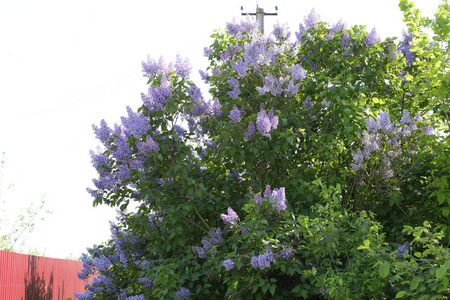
196 94
139 297
274 122
372 38
324 291
248 26
312 19
204 76
280 197
292 88
179 130
235 115
308 103
372 125
345 40
387 174
136 123
94 193
200 251
384 122
216 236
88 265
263 261
339 26
250 131
228 264
234 84
300 33
271 84
149 146
217 107
286 253
428 130
148 283
206 52
99 160
230 217
123 173
358 159
183 293
402 250
406 118
240 67
259 199
257 53
152 68
281 32
159 95
297 72
404 47
182 67
200 109
267 192
103 133
263 123
86 296
107 182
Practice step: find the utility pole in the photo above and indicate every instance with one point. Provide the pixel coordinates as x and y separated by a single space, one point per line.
260 16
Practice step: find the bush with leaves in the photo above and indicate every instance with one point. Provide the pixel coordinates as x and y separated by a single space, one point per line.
348 129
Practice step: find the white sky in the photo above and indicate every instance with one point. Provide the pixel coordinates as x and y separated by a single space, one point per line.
65 65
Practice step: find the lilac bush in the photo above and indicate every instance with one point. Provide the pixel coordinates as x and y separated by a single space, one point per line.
338 121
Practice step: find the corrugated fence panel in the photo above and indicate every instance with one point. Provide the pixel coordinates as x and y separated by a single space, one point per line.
27 277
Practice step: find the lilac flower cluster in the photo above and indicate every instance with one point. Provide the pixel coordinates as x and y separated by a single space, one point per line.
251 130
247 26
404 47
230 217
286 253
311 21
402 250
147 283
103 133
217 107
158 96
228 264
264 260
182 67
151 68
183 293
236 91
215 238
281 32
272 85
278 195
149 146
235 115
136 123
382 137
266 123
124 250
371 39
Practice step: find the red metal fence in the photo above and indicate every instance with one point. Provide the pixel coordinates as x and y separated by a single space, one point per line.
27 277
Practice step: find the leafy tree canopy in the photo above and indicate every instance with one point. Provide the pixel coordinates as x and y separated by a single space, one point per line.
318 169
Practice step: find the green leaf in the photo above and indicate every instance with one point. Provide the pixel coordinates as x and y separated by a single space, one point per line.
441 272
383 270
400 294
272 289
414 283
